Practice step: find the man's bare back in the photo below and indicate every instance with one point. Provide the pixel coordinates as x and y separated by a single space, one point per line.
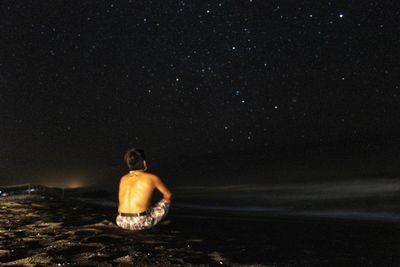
135 191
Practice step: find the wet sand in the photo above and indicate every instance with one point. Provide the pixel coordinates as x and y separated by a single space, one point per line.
37 231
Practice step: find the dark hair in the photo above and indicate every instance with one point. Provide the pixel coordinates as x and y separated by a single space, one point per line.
134 159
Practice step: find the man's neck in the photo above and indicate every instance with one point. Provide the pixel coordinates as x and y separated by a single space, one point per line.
136 171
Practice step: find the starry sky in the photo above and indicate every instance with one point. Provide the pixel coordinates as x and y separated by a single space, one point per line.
83 81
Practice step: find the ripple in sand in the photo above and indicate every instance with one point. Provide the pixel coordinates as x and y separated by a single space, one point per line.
15 252
103 224
34 260
102 238
124 259
4 253
29 241
40 205
92 258
84 232
218 257
195 240
49 225
108 254
153 242
71 249
48 232
103 257
19 233
10 205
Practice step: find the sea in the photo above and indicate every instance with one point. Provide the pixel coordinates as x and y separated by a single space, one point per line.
355 200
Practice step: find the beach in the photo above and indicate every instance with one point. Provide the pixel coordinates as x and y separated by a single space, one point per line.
47 231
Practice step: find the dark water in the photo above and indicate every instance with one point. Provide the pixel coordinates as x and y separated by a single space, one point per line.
364 200
357 199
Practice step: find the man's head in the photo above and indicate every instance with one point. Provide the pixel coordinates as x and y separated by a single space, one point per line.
135 159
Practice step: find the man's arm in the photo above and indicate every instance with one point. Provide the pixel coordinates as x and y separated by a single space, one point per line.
162 188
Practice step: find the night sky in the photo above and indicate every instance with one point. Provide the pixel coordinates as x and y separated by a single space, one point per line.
83 81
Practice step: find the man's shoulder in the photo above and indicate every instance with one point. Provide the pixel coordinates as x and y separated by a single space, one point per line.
123 178
151 175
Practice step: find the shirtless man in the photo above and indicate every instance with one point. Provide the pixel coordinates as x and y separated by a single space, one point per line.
135 191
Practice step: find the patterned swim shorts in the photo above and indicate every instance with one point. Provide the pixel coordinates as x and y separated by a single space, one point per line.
154 215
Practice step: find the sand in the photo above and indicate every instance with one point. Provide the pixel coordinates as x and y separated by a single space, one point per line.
39 231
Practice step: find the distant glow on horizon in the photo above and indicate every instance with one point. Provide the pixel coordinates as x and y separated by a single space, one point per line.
74 184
